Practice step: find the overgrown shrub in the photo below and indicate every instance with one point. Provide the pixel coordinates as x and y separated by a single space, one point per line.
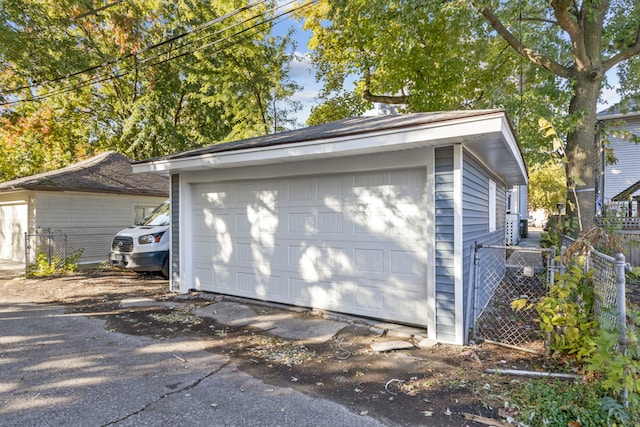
609 393
561 403
45 266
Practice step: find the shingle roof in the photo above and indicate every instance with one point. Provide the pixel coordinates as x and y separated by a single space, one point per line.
340 128
627 107
628 192
108 172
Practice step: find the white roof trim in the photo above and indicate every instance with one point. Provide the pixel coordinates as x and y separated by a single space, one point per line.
471 132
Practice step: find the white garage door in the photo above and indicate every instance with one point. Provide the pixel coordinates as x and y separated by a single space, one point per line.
13 224
352 243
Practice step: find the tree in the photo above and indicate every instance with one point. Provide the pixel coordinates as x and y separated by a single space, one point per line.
550 188
143 77
460 54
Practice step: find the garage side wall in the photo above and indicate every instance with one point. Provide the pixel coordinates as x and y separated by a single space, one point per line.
89 220
476 216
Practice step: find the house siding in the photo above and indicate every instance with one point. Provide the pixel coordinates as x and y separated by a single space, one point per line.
475 194
90 220
624 173
174 251
444 245
87 212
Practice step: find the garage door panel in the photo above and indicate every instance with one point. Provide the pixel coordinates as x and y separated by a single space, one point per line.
13 225
353 243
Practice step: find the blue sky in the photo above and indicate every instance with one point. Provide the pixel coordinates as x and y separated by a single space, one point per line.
301 70
304 75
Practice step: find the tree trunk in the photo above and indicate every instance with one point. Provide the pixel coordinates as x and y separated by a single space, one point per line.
582 151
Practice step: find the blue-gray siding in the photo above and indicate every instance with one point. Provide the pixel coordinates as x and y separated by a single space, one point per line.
444 246
622 175
475 222
174 252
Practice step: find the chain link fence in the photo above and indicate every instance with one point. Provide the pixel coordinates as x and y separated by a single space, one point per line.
504 276
608 278
55 248
509 281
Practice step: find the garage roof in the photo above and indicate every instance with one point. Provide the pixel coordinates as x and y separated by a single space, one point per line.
108 172
486 133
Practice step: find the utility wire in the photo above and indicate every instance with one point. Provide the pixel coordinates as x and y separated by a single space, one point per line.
103 78
144 50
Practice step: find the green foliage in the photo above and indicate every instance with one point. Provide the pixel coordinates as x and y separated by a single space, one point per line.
559 403
547 185
549 239
566 313
51 266
76 81
617 370
523 57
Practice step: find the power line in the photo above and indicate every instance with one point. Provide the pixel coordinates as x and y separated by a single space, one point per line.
129 55
100 79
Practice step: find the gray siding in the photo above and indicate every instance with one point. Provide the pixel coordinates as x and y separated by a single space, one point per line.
174 251
444 250
624 173
475 222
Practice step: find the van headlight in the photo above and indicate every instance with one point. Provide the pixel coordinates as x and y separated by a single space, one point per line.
150 238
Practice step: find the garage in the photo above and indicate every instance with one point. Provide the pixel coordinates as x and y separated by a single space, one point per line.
369 216
332 242
13 225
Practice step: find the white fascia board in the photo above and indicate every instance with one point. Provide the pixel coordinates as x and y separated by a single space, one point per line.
512 145
430 134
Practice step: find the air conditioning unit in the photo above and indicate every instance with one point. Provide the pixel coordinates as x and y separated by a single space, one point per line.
512 233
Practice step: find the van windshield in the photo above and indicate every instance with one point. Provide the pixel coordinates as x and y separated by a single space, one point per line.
159 216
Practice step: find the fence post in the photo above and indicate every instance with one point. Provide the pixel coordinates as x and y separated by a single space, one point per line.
26 254
476 263
551 268
622 315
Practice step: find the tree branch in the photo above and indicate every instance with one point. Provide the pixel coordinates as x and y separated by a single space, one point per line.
546 21
625 54
561 9
530 55
384 99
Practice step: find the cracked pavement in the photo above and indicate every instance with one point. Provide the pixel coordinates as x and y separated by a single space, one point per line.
66 369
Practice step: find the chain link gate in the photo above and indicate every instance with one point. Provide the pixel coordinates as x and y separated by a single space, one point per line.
47 247
503 275
57 247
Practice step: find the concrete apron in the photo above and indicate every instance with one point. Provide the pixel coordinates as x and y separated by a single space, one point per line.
11 269
285 323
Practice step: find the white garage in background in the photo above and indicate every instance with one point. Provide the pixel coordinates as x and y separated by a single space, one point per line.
89 201
373 216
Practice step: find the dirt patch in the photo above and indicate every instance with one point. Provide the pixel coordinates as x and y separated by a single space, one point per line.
418 386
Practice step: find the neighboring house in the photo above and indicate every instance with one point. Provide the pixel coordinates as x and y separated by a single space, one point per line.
619 185
94 198
372 216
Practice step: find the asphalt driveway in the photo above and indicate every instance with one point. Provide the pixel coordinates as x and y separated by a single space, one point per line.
63 369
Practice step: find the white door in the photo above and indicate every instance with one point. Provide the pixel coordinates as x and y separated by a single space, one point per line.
353 243
13 224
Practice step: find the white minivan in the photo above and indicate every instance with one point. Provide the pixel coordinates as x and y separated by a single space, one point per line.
144 247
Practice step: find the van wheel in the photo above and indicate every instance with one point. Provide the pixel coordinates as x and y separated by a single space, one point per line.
165 268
